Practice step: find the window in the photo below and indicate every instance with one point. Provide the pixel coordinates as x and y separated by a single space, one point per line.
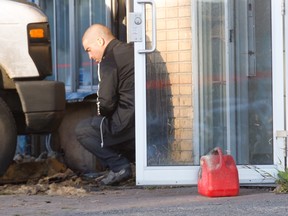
68 21
234 78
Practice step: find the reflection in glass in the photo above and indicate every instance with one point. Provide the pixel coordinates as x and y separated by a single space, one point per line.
159 114
235 79
212 75
62 41
87 12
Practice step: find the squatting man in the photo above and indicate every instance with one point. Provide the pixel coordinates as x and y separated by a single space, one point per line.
110 135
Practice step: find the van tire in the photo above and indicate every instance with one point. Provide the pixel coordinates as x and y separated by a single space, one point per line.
8 134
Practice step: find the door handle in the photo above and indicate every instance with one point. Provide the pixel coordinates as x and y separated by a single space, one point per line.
152 3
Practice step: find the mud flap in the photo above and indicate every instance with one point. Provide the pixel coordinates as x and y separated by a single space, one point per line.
43 103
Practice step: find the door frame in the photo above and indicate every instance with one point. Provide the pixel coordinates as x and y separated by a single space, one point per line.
188 175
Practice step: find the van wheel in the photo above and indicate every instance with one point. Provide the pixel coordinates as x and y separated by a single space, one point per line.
8 136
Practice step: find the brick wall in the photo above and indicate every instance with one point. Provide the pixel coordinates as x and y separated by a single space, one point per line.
174 55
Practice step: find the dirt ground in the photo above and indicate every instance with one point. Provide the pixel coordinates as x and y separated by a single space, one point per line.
51 177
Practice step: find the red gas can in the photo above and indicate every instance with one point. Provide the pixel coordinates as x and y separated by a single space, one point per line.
218 175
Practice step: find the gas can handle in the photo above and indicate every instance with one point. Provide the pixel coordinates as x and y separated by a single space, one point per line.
218 151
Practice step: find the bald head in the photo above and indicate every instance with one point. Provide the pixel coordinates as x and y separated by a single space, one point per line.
95 40
95 31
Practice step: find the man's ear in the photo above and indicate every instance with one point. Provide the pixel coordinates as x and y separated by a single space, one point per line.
100 41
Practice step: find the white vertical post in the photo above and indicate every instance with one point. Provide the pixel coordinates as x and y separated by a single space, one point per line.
140 99
278 81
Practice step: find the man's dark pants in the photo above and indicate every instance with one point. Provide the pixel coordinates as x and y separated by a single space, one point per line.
116 156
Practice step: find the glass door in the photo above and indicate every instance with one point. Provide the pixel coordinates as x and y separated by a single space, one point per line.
204 77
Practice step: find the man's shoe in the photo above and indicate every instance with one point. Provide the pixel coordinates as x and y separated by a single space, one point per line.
114 178
93 175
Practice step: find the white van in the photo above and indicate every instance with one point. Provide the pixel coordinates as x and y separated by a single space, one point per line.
29 104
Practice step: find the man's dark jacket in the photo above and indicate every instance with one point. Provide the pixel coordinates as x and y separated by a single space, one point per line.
116 94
